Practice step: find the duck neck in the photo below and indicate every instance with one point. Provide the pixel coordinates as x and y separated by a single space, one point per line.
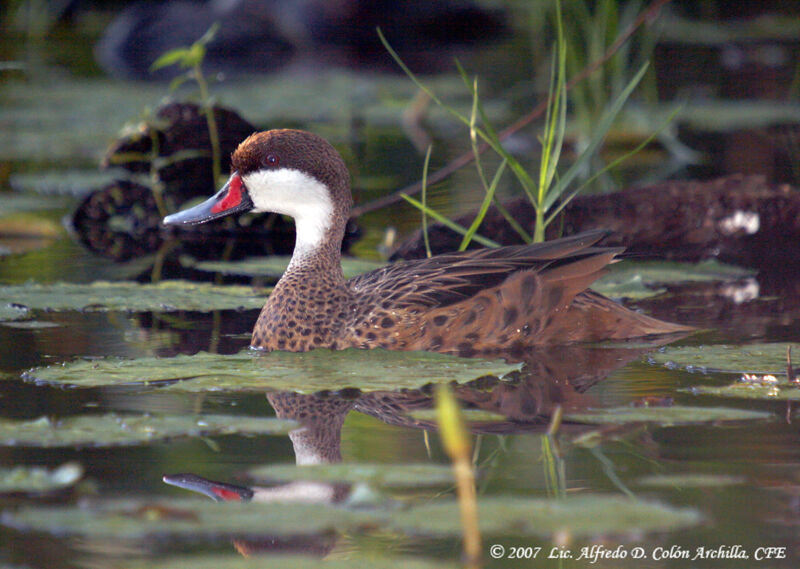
317 250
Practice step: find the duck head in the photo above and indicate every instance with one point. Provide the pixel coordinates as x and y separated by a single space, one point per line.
291 172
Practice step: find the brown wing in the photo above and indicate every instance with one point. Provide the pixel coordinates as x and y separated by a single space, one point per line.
446 279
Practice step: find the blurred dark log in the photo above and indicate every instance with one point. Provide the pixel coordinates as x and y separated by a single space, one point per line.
737 219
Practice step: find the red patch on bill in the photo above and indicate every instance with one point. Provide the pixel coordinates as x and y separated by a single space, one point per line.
232 198
227 495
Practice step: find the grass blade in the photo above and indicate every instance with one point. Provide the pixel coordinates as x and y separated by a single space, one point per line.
597 138
447 222
424 191
487 200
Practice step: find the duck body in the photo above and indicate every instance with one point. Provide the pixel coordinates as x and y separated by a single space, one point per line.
468 303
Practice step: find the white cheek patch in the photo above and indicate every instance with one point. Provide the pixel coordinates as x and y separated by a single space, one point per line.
293 193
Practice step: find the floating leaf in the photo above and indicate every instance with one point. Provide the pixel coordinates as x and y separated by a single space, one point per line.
304 372
779 390
190 519
18 203
675 415
201 520
750 358
275 266
690 480
129 296
403 475
469 415
59 183
640 279
576 516
113 429
30 479
32 324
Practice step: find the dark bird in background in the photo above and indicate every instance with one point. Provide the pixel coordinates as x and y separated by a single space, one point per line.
261 36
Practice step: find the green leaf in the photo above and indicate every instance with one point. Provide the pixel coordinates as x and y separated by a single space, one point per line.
250 370
576 516
640 279
167 296
723 358
598 135
195 55
171 57
18 203
379 475
186 518
209 35
175 84
610 166
665 416
447 222
112 429
689 480
758 388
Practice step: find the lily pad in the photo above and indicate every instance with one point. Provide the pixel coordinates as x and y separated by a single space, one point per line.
640 280
60 183
18 203
112 429
189 519
690 480
167 296
750 358
752 389
30 479
275 266
31 324
236 561
305 372
577 516
380 475
201 520
469 415
675 415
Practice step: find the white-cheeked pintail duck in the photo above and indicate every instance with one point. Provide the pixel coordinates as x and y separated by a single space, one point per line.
468 303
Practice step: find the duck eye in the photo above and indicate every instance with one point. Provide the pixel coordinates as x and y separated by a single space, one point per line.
271 160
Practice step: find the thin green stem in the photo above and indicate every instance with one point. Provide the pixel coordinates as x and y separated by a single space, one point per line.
424 206
213 132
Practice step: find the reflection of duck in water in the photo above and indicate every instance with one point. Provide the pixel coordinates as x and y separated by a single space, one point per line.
484 301
552 377
257 36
